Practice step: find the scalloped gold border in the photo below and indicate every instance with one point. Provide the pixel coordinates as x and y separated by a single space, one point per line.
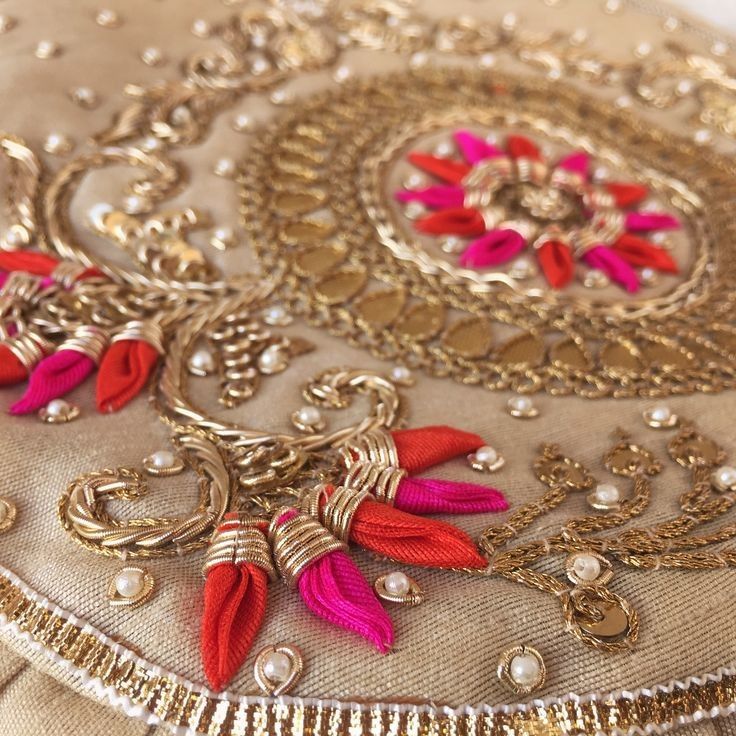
117 674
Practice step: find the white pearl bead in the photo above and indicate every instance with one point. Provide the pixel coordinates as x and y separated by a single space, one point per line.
607 493
162 459
225 167
223 237
108 18
129 583
84 97
726 476
47 49
452 244
276 316
270 358
277 667
414 210
486 455
487 61
524 669
57 143
401 374
509 21
342 74
242 122
134 204
586 567
57 407
397 583
520 404
660 413
309 416
152 56
702 136
418 59
201 28
259 66
623 101
281 97
203 360
643 49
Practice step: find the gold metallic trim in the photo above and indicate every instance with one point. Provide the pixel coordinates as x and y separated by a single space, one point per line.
113 672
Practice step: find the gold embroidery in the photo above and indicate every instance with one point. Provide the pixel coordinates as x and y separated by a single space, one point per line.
178 703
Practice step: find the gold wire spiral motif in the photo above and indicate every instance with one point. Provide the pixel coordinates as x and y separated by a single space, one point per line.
82 508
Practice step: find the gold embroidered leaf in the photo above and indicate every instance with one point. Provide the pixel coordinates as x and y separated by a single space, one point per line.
524 349
618 356
318 260
340 286
570 353
470 337
421 321
380 308
306 232
298 203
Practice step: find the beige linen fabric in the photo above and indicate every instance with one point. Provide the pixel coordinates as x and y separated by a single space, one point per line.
448 648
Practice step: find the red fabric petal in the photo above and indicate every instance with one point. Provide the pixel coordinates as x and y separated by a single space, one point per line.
412 539
123 373
626 195
38 264
449 170
556 262
453 221
639 252
234 606
421 448
12 371
519 146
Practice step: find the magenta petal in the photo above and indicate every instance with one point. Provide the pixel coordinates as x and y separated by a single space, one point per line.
335 590
430 496
578 163
651 221
435 197
496 246
604 259
54 376
475 149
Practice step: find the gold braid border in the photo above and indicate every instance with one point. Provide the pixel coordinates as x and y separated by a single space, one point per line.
141 689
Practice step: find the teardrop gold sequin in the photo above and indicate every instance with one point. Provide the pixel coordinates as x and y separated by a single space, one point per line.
524 349
318 260
617 356
469 337
570 353
381 308
669 355
298 203
421 321
306 232
341 285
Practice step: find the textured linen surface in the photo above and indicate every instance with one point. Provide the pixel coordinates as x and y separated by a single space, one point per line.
447 649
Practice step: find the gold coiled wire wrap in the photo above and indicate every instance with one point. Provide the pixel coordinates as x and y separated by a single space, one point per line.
239 541
298 542
339 509
149 332
29 348
376 446
88 340
380 480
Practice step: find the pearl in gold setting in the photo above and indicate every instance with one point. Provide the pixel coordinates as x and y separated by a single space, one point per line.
605 497
486 459
522 669
130 588
129 583
521 407
724 478
277 667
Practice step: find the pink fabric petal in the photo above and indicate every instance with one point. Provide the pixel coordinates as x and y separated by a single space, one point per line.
651 221
493 248
430 496
475 149
334 589
435 197
578 163
54 376
604 259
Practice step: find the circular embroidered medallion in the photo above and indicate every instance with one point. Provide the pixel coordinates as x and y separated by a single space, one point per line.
466 225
